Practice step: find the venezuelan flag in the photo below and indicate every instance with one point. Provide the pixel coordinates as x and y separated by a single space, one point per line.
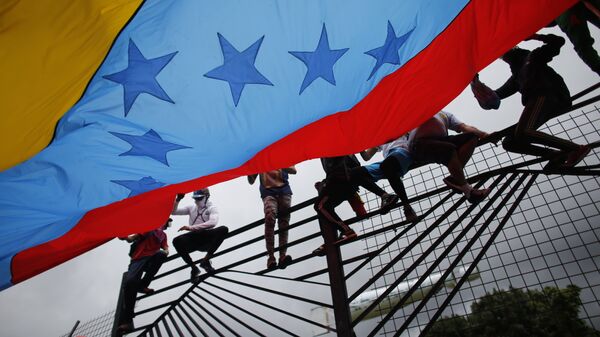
110 107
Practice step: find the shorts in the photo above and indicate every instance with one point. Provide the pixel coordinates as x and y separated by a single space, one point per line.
401 155
439 150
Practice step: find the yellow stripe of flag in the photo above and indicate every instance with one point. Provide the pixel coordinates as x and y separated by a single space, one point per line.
49 49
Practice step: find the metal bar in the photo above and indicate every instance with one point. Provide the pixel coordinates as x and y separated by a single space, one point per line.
399 235
247 312
165 323
118 310
184 322
145 311
585 91
582 104
575 171
228 314
479 256
161 316
192 319
206 320
406 250
269 306
172 286
141 328
463 252
277 277
339 294
261 237
275 292
158 334
74 328
303 278
261 221
422 256
263 254
180 333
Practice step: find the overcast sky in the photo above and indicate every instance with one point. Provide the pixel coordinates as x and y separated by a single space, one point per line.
85 287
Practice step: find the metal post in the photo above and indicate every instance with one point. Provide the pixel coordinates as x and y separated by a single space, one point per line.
119 307
339 294
74 328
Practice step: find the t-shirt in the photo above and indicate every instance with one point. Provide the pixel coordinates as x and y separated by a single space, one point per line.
437 126
401 142
150 244
274 183
338 168
204 217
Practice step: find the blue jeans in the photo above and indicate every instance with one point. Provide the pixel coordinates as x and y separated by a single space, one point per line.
402 156
148 266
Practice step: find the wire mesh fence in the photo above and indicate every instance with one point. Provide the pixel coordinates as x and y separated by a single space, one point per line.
100 326
550 240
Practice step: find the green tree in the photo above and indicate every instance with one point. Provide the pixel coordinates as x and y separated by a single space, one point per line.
550 312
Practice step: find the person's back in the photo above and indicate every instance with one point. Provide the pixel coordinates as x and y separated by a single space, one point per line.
274 182
537 78
533 76
148 244
436 126
338 168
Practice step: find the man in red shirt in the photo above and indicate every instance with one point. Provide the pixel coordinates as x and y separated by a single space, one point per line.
148 252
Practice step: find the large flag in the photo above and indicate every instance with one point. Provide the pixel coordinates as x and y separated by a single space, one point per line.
163 96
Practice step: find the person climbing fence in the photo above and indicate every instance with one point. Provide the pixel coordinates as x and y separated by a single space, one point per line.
203 234
276 194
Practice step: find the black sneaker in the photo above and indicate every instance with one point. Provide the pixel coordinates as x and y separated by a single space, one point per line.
554 164
387 202
575 156
477 196
207 266
320 251
194 273
125 327
271 263
147 291
409 214
285 261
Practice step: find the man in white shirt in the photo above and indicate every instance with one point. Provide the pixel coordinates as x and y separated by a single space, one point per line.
203 234
430 143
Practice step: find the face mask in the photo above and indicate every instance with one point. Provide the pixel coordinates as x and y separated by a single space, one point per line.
200 202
